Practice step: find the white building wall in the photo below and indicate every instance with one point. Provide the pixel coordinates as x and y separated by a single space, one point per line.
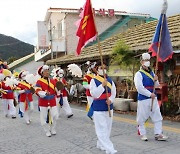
102 23
67 43
58 40
31 67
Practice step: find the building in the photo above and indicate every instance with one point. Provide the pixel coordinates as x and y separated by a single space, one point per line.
138 38
57 33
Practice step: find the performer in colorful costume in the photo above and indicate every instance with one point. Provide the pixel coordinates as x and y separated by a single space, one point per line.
16 76
86 82
45 89
145 80
25 96
7 94
62 97
101 118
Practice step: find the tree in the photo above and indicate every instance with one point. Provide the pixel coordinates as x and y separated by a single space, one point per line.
124 57
11 59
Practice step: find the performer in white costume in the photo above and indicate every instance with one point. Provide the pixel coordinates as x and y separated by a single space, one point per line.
102 121
145 80
62 100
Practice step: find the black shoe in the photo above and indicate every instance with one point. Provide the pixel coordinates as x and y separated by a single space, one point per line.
69 116
13 117
90 118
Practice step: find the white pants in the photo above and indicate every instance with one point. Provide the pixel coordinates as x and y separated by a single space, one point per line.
28 112
103 125
16 96
66 107
144 112
12 110
43 117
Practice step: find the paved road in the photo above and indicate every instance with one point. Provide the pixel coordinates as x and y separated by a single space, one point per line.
77 136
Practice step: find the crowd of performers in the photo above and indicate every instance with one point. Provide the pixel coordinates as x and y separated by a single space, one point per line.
100 91
18 89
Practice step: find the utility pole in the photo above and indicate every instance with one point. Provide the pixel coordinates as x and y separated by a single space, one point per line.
50 31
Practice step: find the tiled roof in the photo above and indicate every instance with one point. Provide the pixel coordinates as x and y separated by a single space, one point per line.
138 38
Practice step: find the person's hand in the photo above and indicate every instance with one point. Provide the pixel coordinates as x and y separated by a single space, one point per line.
22 91
155 78
108 101
153 95
47 92
104 83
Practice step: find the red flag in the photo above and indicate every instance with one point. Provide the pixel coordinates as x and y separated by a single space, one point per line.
86 30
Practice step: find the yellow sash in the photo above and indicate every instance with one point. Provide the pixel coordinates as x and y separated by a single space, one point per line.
91 75
101 79
45 81
26 84
2 91
147 74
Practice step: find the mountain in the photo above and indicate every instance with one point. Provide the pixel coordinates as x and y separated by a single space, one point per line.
12 47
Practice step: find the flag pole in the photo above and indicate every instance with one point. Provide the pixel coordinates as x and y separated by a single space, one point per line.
101 57
102 65
157 56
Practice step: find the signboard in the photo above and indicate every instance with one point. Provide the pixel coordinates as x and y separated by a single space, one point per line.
43 39
102 12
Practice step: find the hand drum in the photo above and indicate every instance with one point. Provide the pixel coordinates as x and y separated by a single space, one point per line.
59 85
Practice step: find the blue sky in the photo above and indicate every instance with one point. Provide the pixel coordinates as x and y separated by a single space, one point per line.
19 17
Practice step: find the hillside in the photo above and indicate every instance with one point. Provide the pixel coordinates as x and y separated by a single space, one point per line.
11 47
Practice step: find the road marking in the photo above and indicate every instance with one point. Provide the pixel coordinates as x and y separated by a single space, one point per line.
131 121
150 125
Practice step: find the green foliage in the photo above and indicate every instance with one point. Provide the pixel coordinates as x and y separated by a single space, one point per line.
123 56
11 47
168 106
11 59
129 82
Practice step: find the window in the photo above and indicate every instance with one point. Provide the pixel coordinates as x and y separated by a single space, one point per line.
60 29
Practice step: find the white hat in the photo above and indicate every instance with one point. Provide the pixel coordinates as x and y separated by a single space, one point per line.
42 68
145 56
60 71
93 64
23 74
